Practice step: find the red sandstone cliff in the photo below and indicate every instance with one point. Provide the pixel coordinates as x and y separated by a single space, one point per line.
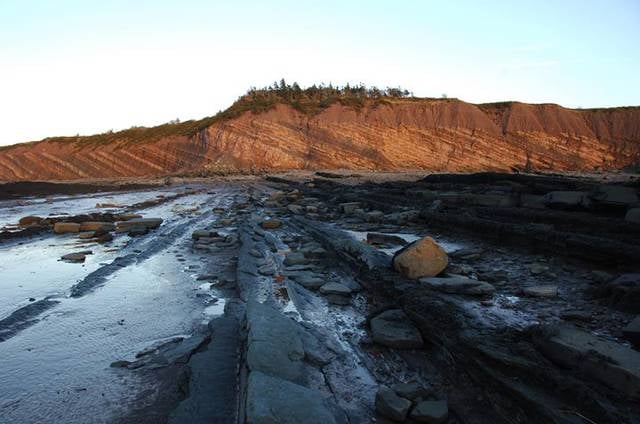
434 135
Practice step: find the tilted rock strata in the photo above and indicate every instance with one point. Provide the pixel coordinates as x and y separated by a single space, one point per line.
433 135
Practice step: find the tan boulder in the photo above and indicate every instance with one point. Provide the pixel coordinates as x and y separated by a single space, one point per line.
424 258
66 227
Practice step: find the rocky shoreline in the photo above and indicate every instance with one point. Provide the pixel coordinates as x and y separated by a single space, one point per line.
482 298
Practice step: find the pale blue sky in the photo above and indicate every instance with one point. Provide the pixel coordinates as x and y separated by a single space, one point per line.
70 67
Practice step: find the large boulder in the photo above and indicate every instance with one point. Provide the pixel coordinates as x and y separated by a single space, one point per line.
66 227
423 258
393 328
390 405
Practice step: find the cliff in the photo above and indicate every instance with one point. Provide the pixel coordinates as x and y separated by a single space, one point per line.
388 134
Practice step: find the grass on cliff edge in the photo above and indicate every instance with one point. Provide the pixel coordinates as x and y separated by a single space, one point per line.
309 101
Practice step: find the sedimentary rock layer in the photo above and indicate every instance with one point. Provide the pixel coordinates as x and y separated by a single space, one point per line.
402 134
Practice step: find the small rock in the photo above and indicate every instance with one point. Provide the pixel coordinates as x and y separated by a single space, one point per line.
411 391
74 257
266 269
308 280
633 215
295 209
459 284
295 258
29 221
540 291
601 276
576 316
430 411
137 231
198 234
338 299
394 329
271 224
390 239
120 364
537 269
335 288
349 207
632 332
390 405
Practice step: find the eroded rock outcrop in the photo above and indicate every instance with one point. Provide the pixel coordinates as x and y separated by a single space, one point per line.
434 135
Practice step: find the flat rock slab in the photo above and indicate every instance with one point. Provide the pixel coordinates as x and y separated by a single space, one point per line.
393 328
275 346
271 400
609 362
459 285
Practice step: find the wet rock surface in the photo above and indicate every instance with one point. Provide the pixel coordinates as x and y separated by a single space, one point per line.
507 305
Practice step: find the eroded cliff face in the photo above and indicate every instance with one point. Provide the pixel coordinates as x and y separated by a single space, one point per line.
433 135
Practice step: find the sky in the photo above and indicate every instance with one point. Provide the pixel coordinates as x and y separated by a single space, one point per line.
82 66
